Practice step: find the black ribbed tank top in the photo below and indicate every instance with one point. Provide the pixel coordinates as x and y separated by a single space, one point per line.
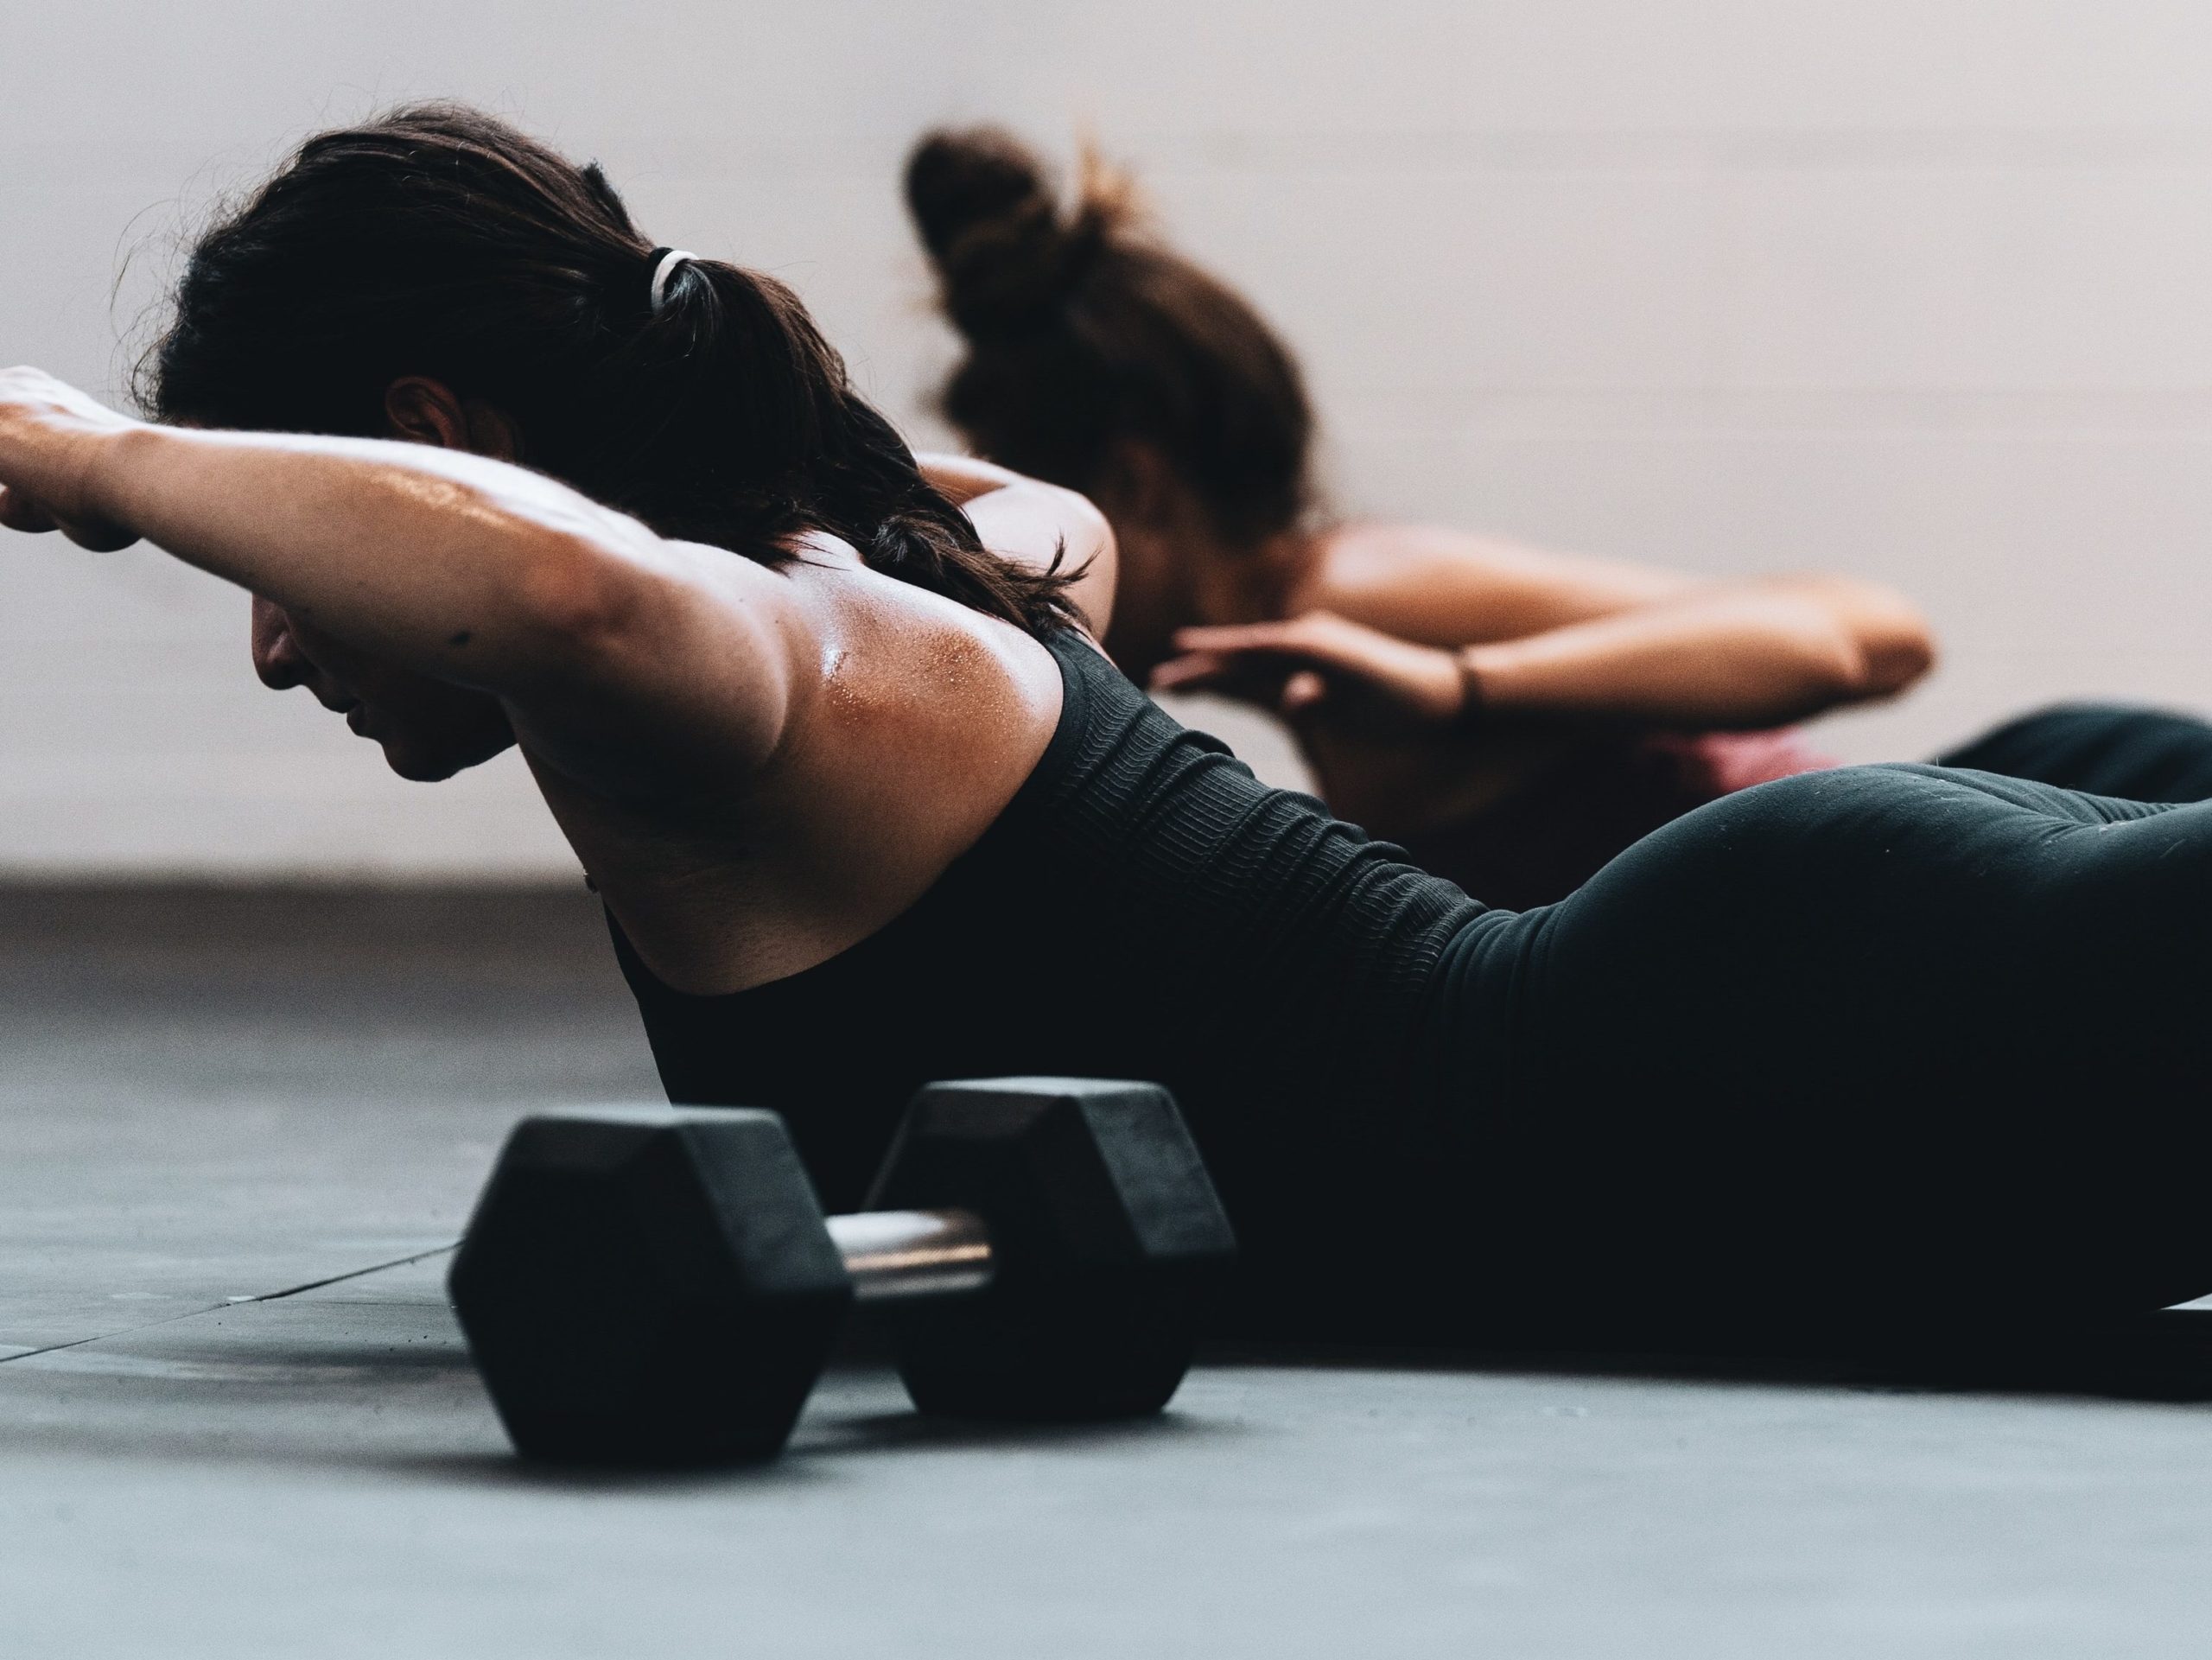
1144 908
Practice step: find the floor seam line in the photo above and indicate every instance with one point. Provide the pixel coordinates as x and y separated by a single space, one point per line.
341 1279
228 1302
121 1331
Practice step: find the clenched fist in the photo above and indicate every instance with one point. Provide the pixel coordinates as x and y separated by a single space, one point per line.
54 442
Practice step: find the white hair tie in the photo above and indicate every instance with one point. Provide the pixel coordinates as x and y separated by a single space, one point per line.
670 259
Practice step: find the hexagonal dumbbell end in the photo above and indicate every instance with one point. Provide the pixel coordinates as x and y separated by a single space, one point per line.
1108 1240
648 1284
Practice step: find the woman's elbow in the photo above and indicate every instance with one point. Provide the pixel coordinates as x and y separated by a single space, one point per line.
1089 553
1865 668
1898 659
1881 644
1085 532
1895 644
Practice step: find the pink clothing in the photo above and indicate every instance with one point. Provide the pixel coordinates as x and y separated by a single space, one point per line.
1716 764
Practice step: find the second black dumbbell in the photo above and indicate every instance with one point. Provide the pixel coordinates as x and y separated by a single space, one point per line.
659 1285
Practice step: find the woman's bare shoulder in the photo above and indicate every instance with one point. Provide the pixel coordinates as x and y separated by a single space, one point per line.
928 710
918 722
916 653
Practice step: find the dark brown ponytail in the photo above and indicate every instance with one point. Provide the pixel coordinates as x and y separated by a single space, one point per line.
1083 332
440 241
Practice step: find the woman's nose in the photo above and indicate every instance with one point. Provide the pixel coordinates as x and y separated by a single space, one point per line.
277 656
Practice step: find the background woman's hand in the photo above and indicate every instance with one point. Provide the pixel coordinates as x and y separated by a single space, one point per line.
53 440
1319 667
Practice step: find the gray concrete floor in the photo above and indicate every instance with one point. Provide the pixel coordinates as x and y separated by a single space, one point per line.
211 1443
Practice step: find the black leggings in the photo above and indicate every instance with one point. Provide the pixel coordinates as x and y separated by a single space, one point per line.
1880 1043
2115 749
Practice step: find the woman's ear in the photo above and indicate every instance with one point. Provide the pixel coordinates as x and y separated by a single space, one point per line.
425 411
421 411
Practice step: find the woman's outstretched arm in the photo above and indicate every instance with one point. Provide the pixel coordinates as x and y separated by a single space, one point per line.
1561 634
454 564
1740 654
1710 660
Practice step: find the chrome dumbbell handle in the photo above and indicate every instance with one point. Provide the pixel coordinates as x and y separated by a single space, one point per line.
893 1253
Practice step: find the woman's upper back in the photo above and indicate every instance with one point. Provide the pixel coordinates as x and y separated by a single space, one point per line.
912 721
1142 907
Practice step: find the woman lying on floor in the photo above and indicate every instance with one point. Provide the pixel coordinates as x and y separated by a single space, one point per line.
867 808
1597 699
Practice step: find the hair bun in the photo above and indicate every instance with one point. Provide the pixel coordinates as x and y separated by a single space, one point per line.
992 224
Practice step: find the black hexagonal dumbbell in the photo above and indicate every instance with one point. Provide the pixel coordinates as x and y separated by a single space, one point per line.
659 1285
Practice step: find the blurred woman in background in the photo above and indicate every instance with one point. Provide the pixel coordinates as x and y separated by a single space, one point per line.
1597 699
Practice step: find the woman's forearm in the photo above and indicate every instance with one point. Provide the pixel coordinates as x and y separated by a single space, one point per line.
1742 655
465 567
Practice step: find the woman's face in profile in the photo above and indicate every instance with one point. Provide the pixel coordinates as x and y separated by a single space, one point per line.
429 728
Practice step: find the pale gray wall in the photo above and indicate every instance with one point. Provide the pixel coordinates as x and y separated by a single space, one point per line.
1913 288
